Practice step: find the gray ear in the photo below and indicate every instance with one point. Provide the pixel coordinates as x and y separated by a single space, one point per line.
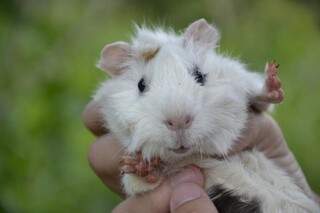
114 57
202 33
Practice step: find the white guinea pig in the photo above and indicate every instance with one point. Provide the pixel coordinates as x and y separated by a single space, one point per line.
174 97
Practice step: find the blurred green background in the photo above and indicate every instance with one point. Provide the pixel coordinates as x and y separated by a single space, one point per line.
48 51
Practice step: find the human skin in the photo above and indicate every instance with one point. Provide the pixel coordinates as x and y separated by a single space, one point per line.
105 153
180 193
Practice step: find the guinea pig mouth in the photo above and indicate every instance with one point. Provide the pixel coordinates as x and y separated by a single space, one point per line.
180 150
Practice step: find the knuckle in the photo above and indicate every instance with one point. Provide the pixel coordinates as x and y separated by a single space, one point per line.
93 120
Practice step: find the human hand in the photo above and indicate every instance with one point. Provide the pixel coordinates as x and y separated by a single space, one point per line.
181 193
262 132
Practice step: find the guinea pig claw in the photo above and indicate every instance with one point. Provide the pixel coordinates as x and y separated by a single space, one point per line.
126 169
128 160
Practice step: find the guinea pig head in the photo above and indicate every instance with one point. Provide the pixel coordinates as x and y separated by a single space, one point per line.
164 99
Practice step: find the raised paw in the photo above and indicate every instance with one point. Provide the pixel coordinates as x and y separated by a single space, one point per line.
272 87
135 164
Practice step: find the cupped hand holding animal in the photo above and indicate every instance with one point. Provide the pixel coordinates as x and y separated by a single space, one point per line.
105 154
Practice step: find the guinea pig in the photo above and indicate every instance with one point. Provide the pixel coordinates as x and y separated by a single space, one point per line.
175 98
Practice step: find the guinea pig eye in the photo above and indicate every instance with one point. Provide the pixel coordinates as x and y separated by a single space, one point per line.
199 76
141 85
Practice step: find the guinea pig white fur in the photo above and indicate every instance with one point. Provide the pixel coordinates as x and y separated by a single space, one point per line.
217 106
173 96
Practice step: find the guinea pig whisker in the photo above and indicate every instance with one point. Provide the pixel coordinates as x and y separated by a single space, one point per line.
200 149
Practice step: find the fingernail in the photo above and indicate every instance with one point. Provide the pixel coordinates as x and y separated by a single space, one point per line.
184 193
191 174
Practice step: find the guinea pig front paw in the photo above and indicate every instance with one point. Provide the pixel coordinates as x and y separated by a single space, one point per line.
272 93
136 165
273 90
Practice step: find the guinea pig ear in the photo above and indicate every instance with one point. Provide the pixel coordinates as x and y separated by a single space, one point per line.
202 33
114 57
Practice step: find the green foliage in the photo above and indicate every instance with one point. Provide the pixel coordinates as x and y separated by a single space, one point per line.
48 50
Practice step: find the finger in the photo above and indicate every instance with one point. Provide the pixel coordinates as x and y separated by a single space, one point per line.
249 135
190 197
263 133
93 119
158 200
155 201
104 157
274 146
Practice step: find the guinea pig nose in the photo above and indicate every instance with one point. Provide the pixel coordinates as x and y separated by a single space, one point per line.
181 122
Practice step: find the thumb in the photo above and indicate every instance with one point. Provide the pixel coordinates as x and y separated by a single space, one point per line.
158 200
190 197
